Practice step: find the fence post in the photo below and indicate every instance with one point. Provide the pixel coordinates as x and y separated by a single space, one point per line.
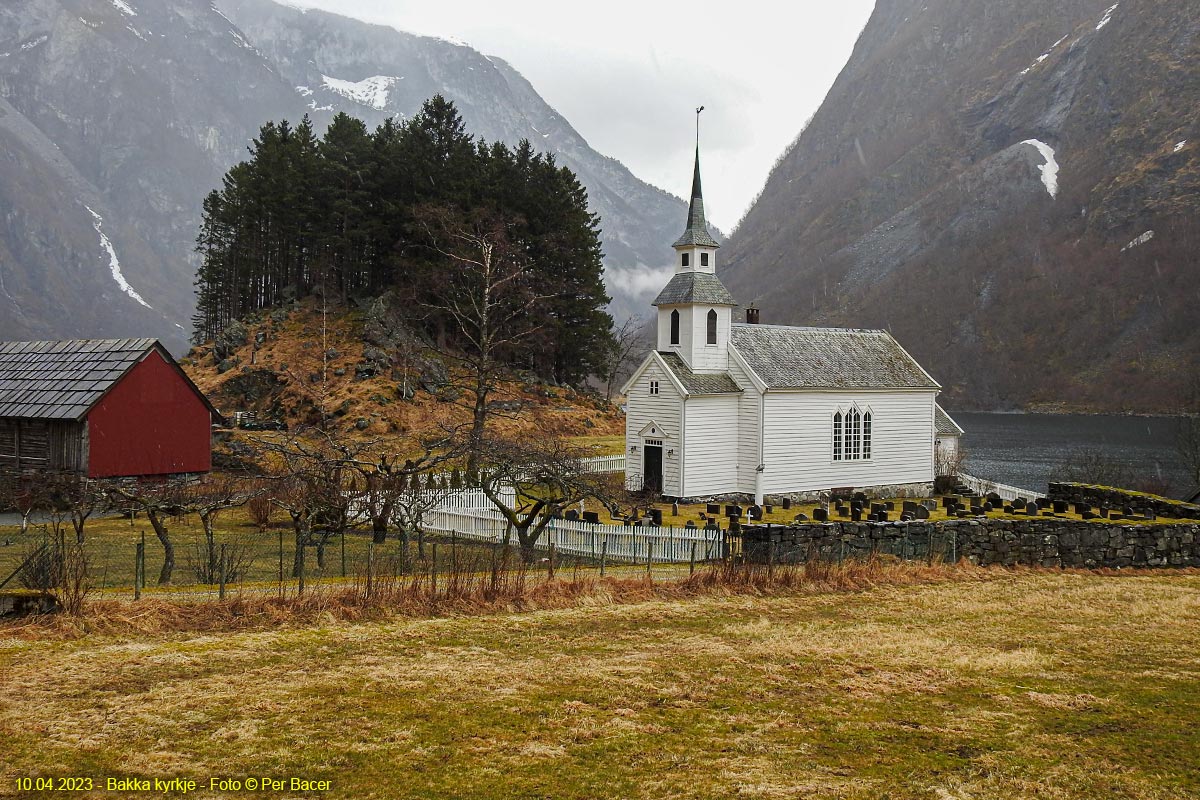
343 553
221 590
550 575
649 557
281 559
603 554
692 560
433 570
139 573
954 547
300 546
370 568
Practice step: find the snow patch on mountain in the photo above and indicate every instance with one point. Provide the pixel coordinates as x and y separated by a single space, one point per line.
1180 146
35 42
1107 16
114 264
1141 240
124 8
371 92
1049 170
1043 56
304 91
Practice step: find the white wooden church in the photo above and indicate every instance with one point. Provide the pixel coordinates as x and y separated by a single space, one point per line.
723 408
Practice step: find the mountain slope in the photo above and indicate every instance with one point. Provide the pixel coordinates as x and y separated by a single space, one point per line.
135 109
973 182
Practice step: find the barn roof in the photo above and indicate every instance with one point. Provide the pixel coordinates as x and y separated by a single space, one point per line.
62 380
944 424
720 383
828 358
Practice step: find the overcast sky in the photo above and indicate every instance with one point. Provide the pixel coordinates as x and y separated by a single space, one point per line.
628 74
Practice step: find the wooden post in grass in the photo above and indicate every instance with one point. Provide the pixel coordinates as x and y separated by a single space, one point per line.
433 570
343 554
300 588
692 560
603 554
370 569
139 573
649 557
221 590
770 558
281 560
550 568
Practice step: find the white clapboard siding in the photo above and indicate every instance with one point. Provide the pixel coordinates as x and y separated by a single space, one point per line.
711 427
704 356
664 409
616 542
748 415
798 440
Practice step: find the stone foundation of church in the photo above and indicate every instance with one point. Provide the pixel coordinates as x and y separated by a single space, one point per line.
889 491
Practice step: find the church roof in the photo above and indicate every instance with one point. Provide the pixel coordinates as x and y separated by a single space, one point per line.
697 234
694 287
943 424
828 358
720 383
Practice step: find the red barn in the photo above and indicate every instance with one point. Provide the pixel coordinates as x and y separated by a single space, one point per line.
105 408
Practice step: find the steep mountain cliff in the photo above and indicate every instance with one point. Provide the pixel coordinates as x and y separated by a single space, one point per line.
118 116
1011 188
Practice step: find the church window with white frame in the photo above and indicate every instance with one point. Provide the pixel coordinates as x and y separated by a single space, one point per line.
653 387
852 435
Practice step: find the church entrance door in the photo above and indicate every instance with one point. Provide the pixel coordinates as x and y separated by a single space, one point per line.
652 467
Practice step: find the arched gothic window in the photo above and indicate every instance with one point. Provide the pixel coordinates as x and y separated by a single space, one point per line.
866 439
675 326
837 436
712 326
853 434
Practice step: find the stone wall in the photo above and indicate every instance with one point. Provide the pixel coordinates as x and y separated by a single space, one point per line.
1036 542
1109 497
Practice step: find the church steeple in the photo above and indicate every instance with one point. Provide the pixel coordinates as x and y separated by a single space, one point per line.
697 234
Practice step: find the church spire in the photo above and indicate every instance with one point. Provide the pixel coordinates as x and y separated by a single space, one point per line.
696 234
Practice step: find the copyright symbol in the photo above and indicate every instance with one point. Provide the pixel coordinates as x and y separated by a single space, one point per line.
251 783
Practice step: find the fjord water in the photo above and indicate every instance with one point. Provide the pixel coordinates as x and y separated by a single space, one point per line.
1027 450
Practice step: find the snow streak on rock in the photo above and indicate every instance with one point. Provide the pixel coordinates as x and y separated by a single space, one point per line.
372 92
1180 146
1043 56
124 8
1145 237
1107 16
1050 168
113 264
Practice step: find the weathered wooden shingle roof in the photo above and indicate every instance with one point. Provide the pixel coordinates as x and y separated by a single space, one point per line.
828 358
694 287
720 383
64 379
696 234
944 424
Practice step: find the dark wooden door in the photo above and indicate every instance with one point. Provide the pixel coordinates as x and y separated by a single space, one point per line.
652 468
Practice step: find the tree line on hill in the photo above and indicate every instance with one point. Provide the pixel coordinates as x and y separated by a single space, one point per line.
489 246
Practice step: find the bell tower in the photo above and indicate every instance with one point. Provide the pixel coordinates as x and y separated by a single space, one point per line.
695 310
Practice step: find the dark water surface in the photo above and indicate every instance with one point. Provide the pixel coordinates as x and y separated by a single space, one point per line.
1027 450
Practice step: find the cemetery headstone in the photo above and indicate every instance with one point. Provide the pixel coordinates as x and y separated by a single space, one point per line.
592 517
922 512
712 508
572 514
820 514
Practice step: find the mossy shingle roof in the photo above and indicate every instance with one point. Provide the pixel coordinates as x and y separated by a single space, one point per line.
694 287
699 384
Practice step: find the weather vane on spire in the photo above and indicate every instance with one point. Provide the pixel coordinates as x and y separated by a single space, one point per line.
698 110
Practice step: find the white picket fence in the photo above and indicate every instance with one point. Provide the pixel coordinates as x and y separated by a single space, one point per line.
614 542
605 463
980 486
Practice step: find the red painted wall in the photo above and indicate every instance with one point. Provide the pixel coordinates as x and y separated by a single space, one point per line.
150 423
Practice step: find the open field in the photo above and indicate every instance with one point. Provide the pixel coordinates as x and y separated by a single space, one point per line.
1007 685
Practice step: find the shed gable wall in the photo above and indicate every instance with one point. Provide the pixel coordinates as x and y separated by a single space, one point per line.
151 423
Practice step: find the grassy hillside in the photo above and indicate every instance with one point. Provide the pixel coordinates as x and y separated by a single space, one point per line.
374 377
1024 685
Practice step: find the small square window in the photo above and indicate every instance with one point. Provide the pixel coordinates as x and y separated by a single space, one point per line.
704 259
685 259
653 387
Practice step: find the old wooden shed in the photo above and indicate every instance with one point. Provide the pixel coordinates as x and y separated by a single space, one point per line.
105 408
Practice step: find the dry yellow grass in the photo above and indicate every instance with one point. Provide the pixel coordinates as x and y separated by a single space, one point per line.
1023 685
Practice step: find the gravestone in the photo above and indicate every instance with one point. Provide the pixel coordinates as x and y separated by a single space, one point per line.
910 507
674 509
1043 502
1031 509
860 497
820 514
770 509
690 524
1060 506
1088 515
907 516
656 515
1008 509
922 512
801 517
988 507
841 510
856 513
1020 502
756 513
1082 508
962 514
572 515
787 504
881 516
592 517
890 506
713 508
